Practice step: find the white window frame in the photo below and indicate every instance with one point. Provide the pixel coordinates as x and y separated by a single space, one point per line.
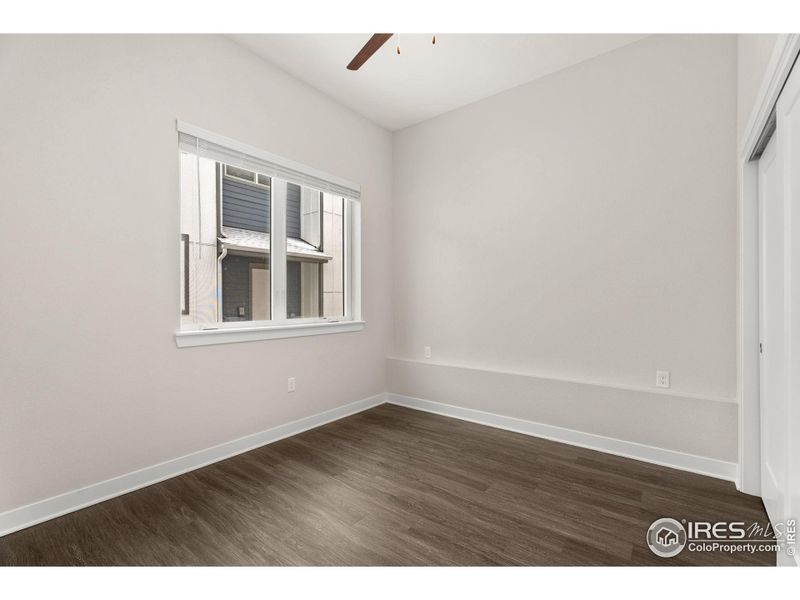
281 326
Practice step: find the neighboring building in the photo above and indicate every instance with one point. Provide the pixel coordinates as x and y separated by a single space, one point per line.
238 203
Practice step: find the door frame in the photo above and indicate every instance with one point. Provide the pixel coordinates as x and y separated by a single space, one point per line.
748 478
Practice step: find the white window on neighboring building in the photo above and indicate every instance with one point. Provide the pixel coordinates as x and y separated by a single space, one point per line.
269 248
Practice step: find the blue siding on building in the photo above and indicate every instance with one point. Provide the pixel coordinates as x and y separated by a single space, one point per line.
293 211
245 205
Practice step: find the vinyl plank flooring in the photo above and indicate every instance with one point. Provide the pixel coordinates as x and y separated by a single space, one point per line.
394 486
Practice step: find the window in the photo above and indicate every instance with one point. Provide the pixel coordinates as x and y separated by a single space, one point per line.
314 253
243 238
268 248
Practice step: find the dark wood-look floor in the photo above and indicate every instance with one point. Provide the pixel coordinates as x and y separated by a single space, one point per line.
393 486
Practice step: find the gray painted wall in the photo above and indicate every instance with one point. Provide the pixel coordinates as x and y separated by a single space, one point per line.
615 181
109 387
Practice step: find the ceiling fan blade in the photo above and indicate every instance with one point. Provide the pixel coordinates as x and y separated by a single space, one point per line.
370 48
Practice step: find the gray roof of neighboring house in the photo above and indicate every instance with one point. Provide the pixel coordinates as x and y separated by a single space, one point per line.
256 241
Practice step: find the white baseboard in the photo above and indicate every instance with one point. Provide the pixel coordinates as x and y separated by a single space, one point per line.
50 508
659 456
56 506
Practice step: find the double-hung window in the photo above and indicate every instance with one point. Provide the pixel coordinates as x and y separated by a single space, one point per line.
268 247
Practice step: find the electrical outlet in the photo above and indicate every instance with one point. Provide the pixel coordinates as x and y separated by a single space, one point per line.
291 384
427 351
662 379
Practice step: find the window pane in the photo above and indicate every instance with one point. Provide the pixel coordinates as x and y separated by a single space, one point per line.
314 253
303 253
224 244
310 217
302 289
244 247
198 240
333 225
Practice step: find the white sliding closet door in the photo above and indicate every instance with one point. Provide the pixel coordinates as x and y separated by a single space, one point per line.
779 312
788 127
771 326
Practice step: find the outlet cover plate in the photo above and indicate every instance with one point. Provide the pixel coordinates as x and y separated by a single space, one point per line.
662 379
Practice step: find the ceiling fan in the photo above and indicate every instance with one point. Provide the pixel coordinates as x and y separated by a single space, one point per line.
371 47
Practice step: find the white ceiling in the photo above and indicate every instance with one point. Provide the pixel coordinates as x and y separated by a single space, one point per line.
425 80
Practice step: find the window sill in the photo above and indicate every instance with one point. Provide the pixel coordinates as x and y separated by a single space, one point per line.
208 337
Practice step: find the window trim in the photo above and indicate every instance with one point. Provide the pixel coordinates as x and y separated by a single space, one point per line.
282 164
281 326
232 335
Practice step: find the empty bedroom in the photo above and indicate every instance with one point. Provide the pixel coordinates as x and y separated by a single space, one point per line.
439 298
